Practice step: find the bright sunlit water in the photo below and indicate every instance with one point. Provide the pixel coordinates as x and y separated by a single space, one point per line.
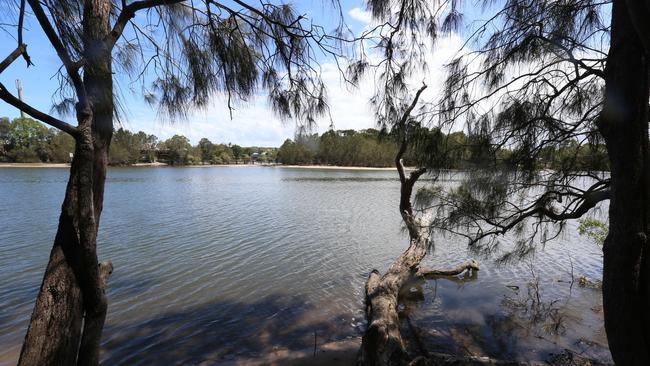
220 263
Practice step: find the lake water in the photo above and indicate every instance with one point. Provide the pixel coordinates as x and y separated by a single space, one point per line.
215 264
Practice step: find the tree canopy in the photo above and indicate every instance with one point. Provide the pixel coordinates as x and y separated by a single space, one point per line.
178 55
533 79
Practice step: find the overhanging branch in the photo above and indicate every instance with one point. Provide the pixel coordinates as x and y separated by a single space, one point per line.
6 96
55 41
12 57
402 127
589 199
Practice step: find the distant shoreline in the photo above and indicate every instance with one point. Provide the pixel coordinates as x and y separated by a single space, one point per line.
149 165
332 167
34 165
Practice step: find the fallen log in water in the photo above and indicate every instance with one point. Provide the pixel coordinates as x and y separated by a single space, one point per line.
382 343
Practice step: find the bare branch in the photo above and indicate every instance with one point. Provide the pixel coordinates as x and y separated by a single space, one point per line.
6 96
128 12
60 50
11 57
21 17
470 265
402 126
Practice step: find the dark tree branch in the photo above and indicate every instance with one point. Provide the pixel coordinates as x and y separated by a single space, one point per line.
60 50
401 125
6 96
21 17
406 184
20 50
128 12
588 199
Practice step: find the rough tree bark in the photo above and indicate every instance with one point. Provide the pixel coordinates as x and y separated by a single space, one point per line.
624 126
70 309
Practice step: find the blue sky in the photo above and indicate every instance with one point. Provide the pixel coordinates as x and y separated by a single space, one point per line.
251 124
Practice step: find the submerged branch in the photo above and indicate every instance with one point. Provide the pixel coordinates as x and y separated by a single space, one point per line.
470 265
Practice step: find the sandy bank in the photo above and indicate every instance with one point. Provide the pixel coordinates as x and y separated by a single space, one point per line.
331 167
149 164
222 166
158 164
34 165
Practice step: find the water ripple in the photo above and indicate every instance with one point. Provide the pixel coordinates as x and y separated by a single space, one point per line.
212 264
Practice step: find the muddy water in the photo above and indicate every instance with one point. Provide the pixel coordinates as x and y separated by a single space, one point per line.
214 264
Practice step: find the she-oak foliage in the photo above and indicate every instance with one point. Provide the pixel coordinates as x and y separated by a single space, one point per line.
178 55
534 78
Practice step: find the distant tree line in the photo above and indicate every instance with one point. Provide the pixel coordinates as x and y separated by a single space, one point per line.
342 147
177 150
24 140
375 148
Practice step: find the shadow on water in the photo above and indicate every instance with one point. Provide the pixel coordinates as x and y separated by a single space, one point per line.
220 331
524 327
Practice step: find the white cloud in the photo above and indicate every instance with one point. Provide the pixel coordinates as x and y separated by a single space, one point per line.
254 124
360 15
251 125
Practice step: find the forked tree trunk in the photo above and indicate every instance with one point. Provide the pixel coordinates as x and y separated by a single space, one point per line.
382 342
70 310
624 125
55 330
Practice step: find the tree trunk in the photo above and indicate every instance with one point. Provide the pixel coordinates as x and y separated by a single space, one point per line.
70 310
382 342
55 330
624 126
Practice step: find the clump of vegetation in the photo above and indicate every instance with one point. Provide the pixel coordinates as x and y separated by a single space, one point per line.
25 140
594 229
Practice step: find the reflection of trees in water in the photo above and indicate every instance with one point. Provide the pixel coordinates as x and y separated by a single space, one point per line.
532 310
543 318
529 323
